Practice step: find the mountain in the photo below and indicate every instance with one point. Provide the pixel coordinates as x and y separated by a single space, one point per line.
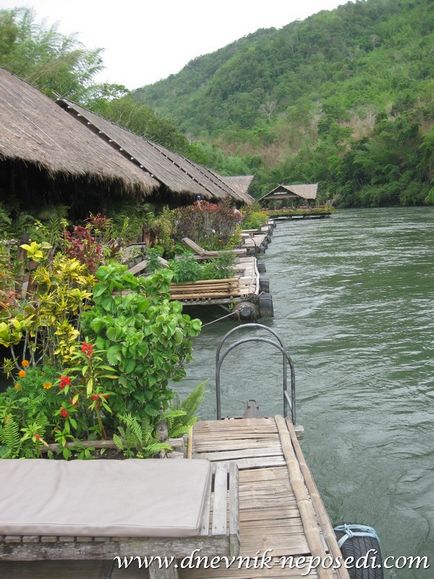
345 97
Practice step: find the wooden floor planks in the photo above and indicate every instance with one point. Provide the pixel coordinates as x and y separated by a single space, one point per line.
270 517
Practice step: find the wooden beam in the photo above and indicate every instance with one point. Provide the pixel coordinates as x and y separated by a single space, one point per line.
304 503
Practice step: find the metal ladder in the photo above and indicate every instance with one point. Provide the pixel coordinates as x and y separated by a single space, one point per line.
276 342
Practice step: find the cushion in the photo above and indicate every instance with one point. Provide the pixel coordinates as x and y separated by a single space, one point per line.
122 498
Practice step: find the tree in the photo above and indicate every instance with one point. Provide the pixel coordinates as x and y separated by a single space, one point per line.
58 65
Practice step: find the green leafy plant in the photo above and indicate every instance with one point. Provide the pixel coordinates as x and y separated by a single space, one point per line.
187 269
5 223
136 438
145 336
254 217
182 414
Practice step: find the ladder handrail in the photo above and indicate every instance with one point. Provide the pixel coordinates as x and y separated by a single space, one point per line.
253 326
288 401
246 327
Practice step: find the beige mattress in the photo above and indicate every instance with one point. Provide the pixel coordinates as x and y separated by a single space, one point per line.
111 498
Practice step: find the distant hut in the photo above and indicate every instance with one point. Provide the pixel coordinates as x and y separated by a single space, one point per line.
180 179
290 195
47 158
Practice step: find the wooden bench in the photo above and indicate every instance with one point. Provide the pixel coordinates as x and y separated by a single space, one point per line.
216 532
206 289
206 254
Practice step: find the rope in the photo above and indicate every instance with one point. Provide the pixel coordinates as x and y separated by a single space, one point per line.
218 319
351 531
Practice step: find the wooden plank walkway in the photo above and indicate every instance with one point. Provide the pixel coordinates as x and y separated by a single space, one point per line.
247 272
280 508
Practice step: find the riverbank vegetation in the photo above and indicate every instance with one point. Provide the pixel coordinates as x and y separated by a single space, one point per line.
301 211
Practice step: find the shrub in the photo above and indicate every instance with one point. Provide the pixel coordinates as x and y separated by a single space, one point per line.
7 282
45 326
212 226
187 269
82 245
137 340
146 337
254 216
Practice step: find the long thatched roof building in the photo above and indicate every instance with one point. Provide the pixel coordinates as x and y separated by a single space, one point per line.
173 171
39 142
67 155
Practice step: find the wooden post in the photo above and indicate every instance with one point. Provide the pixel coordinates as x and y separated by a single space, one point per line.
164 573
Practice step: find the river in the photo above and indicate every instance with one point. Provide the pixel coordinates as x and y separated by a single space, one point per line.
354 303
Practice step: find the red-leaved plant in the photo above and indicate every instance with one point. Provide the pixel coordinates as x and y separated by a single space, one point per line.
82 245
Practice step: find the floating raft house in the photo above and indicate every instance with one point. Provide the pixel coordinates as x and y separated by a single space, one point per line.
297 195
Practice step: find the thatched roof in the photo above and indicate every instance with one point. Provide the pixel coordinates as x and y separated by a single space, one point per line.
178 174
240 184
34 130
307 192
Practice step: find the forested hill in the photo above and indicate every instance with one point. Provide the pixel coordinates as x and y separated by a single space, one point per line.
345 97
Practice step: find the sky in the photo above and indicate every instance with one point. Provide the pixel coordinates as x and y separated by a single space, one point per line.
147 40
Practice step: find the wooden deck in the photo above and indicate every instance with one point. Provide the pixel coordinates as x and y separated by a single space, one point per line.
246 270
291 217
207 292
280 507
256 241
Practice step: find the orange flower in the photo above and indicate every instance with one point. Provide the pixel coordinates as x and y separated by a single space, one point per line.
25 363
17 386
47 385
22 374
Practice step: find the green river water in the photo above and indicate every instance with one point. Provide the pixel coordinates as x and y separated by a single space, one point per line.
354 303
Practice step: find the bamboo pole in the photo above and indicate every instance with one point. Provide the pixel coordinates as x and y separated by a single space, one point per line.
318 505
99 444
304 504
207 281
190 443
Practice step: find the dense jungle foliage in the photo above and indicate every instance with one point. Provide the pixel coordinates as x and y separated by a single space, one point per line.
344 97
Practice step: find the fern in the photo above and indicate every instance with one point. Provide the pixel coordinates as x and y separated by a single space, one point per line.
182 415
137 438
10 438
180 430
191 404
